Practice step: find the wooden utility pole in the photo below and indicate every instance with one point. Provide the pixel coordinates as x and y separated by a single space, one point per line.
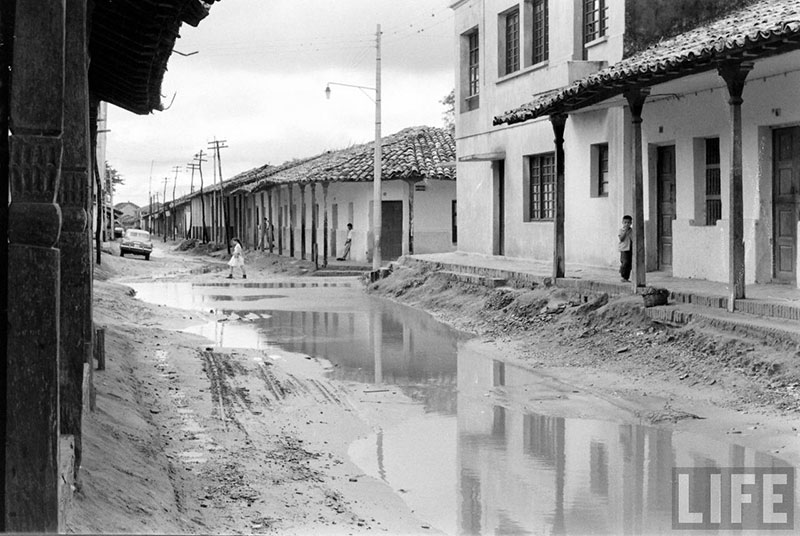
176 169
199 159
192 166
164 207
216 145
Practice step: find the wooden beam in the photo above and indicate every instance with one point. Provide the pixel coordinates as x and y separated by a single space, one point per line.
734 74
558 121
636 98
32 352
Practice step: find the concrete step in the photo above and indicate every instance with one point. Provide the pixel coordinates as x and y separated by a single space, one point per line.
473 279
326 272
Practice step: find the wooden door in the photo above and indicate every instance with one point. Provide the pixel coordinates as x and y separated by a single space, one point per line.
391 230
665 179
786 202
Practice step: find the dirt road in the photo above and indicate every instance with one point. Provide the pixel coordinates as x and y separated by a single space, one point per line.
188 438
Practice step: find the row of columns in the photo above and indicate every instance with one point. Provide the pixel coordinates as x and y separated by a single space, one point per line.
49 336
734 73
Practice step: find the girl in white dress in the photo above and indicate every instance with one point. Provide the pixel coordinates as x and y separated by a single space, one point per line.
237 259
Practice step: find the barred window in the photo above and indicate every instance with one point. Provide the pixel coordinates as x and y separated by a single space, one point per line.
542 186
600 170
540 31
595 20
473 64
713 182
509 46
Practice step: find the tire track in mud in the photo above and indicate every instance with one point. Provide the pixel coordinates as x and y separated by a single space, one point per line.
225 396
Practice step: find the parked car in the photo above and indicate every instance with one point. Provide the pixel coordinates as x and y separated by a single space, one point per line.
137 242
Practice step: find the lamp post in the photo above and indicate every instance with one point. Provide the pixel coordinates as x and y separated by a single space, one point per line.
376 191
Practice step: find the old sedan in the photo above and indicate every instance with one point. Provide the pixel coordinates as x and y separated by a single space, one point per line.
137 242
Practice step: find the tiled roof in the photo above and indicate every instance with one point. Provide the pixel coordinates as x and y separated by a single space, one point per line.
764 28
412 153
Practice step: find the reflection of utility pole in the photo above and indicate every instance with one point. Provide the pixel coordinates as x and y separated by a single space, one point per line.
199 159
216 145
164 207
192 166
176 169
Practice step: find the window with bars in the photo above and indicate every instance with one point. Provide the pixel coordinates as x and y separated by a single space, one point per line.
509 46
473 64
595 20
600 169
542 176
713 182
539 32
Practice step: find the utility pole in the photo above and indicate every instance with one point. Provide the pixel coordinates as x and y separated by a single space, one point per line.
199 159
164 207
192 166
150 197
376 194
176 169
216 145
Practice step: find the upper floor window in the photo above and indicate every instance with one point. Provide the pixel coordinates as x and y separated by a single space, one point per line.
470 70
539 32
509 42
595 20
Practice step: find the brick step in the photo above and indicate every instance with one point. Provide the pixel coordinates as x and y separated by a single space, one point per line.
473 279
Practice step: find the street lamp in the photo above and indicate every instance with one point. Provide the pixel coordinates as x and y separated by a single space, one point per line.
376 191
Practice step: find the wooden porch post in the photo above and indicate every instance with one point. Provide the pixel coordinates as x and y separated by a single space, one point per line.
270 229
34 289
76 276
280 220
636 98
302 221
559 122
314 252
412 186
734 73
291 222
325 224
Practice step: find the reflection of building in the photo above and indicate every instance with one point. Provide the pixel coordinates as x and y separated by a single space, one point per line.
525 472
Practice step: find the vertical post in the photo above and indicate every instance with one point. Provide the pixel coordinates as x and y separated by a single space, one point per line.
559 122
314 252
291 222
74 240
271 227
280 220
303 221
376 193
636 98
412 186
34 285
734 73
325 224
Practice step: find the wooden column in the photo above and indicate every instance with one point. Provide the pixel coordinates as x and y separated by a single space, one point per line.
74 240
32 352
412 185
280 220
291 222
314 252
303 221
636 98
270 233
558 121
734 73
325 230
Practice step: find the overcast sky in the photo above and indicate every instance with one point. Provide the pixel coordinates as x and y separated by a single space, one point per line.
258 81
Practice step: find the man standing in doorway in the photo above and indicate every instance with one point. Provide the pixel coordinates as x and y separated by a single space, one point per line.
347 243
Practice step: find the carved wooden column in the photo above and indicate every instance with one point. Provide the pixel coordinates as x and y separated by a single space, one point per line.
73 242
270 230
636 98
291 222
302 221
36 110
734 73
314 252
280 220
558 121
325 230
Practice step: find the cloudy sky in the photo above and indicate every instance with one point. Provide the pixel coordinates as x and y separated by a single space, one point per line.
258 82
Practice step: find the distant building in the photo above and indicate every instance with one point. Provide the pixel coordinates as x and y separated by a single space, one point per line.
130 214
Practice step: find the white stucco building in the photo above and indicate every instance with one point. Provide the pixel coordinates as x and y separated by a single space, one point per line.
526 65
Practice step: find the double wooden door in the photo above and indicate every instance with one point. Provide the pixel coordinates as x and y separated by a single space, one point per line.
786 203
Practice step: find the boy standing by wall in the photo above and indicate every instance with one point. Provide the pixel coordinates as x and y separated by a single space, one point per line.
625 248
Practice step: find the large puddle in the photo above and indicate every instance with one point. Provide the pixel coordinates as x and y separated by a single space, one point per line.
467 461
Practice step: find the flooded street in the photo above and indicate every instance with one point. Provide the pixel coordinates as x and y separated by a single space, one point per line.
485 447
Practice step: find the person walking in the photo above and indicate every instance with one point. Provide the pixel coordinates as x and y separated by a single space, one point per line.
237 259
625 248
347 243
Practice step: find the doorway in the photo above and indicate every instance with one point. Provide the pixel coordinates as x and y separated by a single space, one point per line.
786 203
499 171
665 179
391 229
